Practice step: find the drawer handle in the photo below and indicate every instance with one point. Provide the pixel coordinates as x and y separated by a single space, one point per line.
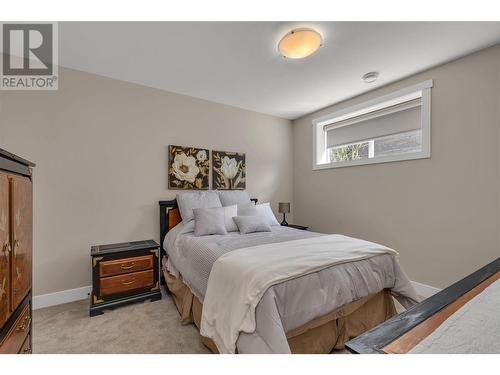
128 282
25 323
123 267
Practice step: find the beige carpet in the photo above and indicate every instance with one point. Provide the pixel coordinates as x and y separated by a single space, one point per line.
149 327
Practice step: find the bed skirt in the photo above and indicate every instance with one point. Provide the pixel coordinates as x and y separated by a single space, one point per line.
322 335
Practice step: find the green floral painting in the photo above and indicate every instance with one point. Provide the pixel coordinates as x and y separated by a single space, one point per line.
188 168
229 170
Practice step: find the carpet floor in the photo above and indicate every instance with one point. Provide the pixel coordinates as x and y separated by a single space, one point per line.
148 327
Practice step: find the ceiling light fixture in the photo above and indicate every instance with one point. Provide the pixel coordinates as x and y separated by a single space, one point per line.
370 77
300 43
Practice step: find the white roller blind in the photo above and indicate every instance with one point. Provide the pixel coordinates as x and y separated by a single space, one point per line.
395 119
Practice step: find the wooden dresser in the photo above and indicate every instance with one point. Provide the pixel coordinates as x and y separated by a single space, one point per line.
123 273
16 244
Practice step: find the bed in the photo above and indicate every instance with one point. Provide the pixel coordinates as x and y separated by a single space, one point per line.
316 312
461 319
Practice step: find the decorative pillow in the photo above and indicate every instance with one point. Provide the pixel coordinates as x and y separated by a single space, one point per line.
264 210
230 197
247 209
209 221
251 224
187 201
229 213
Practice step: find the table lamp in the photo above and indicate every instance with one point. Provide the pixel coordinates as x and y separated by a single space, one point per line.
284 208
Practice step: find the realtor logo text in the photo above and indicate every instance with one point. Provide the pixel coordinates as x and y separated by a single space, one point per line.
29 56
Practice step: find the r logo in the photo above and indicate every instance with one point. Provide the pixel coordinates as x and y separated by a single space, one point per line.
27 49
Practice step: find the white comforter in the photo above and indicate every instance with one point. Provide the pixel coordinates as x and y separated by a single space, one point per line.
239 279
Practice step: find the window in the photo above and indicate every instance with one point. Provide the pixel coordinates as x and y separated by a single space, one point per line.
391 128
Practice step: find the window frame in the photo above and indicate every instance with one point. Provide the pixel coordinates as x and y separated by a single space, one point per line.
320 151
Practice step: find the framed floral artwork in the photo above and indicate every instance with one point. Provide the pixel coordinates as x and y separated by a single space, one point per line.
228 170
188 168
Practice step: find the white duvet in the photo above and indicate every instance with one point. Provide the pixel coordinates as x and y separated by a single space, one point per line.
239 279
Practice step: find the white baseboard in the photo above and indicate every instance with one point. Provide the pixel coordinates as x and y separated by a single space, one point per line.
424 290
77 294
58 298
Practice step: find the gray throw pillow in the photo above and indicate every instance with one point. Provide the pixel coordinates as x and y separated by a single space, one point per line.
187 201
251 224
230 197
209 221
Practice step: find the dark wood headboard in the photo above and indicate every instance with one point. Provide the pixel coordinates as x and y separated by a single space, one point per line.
165 219
165 207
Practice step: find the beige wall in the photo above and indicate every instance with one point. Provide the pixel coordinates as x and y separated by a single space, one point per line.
442 213
101 151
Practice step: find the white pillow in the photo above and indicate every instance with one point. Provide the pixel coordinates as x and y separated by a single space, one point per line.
229 213
247 209
230 197
187 201
264 210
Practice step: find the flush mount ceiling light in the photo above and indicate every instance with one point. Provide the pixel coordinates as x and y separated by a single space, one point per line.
370 77
300 43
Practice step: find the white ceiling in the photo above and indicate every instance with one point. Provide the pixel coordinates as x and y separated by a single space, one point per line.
237 63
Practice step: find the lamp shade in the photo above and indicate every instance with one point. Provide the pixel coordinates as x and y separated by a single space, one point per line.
284 207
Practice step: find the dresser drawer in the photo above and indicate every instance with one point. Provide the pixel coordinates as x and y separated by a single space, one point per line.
26 347
18 333
125 265
129 281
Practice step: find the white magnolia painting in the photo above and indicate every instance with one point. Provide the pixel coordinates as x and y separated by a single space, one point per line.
229 170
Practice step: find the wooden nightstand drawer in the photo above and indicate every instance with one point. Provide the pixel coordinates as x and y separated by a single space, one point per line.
129 281
126 265
18 333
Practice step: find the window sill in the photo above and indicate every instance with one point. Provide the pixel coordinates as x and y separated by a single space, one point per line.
385 159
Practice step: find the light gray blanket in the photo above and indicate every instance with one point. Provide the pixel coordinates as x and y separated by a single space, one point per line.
292 303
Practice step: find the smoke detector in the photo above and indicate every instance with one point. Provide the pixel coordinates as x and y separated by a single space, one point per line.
370 77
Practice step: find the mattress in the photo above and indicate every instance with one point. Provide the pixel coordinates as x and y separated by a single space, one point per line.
193 256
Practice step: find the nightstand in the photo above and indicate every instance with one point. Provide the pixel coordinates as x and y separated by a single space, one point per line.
124 273
295 226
